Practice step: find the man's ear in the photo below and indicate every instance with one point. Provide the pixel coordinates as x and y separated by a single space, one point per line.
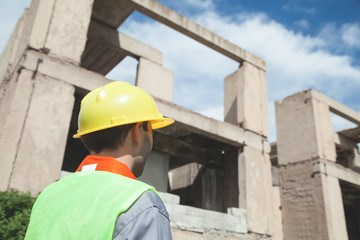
136 132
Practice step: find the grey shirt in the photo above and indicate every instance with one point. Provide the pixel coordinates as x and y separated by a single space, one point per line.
147 218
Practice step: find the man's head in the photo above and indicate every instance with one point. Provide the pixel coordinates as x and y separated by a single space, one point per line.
116 114
108 139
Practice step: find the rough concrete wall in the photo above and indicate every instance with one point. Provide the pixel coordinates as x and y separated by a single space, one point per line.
188 235
41 147
302 200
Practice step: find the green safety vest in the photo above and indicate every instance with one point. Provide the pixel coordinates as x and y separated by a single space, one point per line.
84 205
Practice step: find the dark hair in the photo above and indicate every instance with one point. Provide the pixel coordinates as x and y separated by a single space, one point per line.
110 138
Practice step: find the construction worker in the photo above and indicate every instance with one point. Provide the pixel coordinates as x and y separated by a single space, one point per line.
103 199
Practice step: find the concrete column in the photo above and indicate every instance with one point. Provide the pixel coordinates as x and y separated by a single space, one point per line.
155 79
13 110
11 53
302 200
304 129
213 186
334 208
41 147
41 13
245 99
312 204
156 171
68 27
255 186
277 217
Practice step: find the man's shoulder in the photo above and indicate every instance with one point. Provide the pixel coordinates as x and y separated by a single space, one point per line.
147 209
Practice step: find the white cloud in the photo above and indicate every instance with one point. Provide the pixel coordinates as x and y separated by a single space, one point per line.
203 4
297 8
350 34
303 24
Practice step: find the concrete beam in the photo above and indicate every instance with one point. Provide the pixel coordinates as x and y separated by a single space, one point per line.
214 129
119 40
343 142
336 107
195 31
76 76
337 171
174 146
111 12
352 133
197 123
106 47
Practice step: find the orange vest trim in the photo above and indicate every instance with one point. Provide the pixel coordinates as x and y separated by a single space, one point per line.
107 164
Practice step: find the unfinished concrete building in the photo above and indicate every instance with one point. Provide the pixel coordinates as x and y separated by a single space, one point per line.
215 177
319 169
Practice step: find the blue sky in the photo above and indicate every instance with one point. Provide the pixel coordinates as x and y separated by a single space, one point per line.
305 43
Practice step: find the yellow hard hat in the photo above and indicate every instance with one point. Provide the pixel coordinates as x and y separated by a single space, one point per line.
116 104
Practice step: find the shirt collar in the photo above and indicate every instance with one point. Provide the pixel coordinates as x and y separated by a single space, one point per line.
108 164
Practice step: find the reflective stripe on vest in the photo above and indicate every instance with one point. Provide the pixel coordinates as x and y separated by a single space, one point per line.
84 205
